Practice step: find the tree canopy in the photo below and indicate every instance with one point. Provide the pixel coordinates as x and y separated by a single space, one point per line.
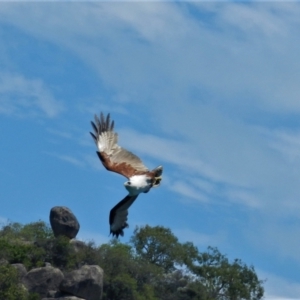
153 265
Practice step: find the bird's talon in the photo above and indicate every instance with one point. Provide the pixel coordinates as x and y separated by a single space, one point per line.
157 180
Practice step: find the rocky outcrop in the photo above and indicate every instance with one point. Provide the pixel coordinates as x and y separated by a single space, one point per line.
3 262
78 245
41 280
64 222
21 269
85 282
50 283
64 298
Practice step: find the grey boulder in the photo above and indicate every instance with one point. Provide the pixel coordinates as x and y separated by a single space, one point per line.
64 298
63 222
21 269
42 280
86 282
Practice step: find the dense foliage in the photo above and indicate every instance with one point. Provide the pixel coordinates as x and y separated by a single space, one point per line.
153 265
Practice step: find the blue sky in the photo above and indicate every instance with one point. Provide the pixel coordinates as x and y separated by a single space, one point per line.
208 90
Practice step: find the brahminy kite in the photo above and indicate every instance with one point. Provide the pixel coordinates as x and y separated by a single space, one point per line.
117 159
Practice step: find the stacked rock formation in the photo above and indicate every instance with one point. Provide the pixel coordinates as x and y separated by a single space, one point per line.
50 283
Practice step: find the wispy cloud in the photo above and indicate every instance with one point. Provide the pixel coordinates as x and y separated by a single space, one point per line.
286 142
26 97
279 288
93 161
68 158
256 19
193 84
63 134
186 62
198 179
187 190
171 151
277 233
244 196
89 160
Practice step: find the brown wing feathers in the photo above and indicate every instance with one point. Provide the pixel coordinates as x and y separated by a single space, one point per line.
113 157
117 159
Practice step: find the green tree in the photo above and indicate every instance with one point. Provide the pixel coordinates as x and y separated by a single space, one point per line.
189 274
31 232
25 243
153 265
224 280
10 287
126 277
159 246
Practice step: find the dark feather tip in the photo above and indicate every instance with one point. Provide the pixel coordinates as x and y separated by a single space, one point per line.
94 127
117 233
94 137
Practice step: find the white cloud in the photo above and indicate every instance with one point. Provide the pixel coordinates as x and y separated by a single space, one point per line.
69 159
171 151
26 97
279 233
270 190
279 288
244 196
150 21
245 170
245 69
86 160
200 84
255 19
93 161
286 142
187 190
192 55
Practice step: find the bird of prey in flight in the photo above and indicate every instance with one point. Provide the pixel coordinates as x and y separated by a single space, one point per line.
117 159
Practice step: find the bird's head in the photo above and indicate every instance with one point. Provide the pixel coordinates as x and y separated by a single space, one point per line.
132 190
127 183
138 184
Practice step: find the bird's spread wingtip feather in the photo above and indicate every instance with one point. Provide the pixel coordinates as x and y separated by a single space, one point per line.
94 137
107 121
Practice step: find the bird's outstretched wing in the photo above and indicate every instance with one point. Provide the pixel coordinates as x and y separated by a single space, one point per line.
113 157
118 216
